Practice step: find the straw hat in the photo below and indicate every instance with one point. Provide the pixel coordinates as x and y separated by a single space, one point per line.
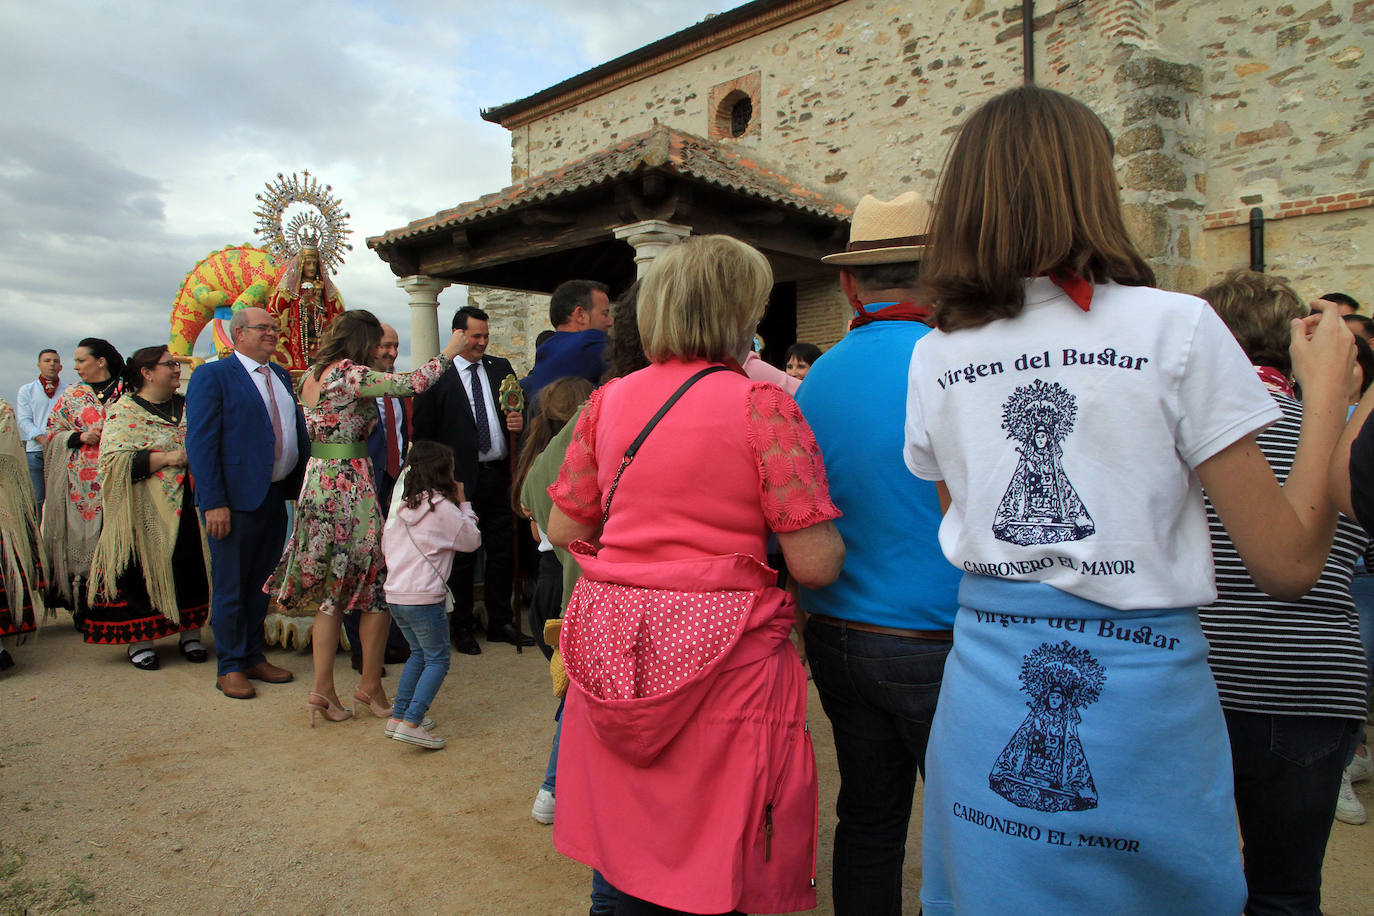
886 232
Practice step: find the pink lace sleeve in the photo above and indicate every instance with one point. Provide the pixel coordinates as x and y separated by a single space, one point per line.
792 485
576 491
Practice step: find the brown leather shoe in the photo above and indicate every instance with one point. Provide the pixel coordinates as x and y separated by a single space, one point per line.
235 684
266 671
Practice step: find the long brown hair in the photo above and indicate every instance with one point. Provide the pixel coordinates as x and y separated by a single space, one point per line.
353 334
1028 189
625 353
430 470
558 401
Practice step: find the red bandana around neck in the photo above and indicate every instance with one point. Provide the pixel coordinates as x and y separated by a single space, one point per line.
49 387
1275 380
1074 286
900 311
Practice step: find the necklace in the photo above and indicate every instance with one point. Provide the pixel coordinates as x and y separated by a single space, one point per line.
156 409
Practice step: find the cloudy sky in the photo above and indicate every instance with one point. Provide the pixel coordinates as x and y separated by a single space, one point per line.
134 136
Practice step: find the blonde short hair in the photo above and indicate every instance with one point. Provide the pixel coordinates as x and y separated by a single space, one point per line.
1258 309
702 298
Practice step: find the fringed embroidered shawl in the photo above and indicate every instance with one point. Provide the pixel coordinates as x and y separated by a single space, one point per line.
141 519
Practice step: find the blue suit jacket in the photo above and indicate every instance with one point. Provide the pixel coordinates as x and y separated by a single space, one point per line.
229 437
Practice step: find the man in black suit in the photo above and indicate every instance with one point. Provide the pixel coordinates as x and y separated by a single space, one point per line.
462 410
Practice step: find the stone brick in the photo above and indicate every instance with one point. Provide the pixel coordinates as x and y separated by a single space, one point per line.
1154 171
1149 137
1149 226
1273 132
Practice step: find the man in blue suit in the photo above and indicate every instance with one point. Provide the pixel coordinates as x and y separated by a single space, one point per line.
247 445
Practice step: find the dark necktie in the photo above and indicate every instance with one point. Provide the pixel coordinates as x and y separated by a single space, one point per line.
393 441
479 413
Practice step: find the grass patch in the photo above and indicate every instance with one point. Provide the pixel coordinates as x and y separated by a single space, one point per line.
21 895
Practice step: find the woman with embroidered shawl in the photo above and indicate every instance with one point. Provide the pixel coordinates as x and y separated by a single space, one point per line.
150 575
71 526
20 565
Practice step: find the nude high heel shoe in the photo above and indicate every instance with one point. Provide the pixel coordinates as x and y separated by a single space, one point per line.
380 710
318 702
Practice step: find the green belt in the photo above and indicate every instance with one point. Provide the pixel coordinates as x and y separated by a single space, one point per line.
339 450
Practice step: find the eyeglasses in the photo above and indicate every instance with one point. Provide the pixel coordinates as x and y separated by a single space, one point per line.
170 364
260 327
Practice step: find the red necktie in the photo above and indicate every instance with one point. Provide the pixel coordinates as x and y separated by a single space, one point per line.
276 417
393 441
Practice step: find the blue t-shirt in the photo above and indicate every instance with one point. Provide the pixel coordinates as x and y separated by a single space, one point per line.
894 573
566 353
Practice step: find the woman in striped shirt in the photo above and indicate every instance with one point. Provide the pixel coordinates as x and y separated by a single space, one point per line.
1290 673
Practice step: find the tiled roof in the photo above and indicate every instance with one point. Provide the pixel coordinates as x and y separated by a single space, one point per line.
662 149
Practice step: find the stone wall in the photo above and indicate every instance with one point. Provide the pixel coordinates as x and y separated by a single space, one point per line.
516 320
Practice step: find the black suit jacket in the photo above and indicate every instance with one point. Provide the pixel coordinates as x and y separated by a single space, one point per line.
443 413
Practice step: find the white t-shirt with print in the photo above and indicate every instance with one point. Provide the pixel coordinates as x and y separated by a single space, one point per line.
1068 440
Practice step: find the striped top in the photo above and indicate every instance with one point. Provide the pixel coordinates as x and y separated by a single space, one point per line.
1300 658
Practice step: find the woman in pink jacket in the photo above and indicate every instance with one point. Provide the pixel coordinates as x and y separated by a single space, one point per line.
685 770
419 540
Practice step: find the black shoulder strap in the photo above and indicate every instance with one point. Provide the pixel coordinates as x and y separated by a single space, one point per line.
648 428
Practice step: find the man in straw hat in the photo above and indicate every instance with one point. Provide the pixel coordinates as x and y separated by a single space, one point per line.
877 638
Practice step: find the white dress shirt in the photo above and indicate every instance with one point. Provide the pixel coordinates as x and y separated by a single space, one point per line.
495 417
31 412
286 411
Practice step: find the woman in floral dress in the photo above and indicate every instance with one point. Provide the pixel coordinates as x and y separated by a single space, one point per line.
71 463
333 564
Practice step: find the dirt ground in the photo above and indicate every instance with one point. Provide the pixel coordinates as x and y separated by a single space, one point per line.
133 792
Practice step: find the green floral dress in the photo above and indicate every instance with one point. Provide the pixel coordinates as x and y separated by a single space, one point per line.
333 562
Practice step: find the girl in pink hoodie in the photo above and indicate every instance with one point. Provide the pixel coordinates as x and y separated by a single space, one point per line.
432 521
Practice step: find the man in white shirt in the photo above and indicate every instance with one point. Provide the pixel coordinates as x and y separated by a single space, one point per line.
247 444
31 410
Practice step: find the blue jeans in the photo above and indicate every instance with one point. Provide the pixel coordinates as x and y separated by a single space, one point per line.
425 628
1362 590
1288 773
551 771
36 477
879 693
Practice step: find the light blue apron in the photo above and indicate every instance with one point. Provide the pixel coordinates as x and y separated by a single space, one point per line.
1078 763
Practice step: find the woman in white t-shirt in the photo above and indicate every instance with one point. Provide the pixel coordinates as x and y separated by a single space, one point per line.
1071 414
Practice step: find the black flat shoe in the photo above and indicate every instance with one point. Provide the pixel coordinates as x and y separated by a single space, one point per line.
193 651
506 633
6 660
144 659
464 642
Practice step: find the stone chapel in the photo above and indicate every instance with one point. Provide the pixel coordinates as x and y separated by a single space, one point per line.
1244 135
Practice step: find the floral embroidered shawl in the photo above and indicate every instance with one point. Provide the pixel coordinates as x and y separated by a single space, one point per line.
20 570
71 525
141 519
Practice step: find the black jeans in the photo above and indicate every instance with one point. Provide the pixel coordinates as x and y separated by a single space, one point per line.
879 693
1288 773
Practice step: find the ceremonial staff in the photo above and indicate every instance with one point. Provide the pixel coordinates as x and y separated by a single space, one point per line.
513 401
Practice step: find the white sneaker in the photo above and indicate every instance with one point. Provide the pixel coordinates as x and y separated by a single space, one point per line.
418 736
1361 767
1348 807
392 724
543 807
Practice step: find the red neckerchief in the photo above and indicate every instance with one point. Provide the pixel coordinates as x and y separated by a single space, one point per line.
1275 381
1074 286
901 311
49 388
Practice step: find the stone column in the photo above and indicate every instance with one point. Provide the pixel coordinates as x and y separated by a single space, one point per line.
649 237
424 316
